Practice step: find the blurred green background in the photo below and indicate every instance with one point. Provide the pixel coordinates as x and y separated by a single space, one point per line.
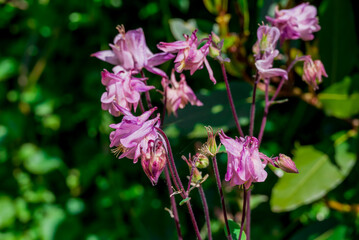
59 179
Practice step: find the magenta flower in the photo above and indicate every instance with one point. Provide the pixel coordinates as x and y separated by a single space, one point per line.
133 135
131 52
154 160
265 70
298 22
313 72
267 41
178 94
189 57
121 89
244 164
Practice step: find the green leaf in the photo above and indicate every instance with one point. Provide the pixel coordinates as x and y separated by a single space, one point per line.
338 44
341 99
184 201
235 229
180 27
317 176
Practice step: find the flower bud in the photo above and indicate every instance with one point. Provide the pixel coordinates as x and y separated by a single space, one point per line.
286 164
211 144
154 161
202 160
313 72
197 176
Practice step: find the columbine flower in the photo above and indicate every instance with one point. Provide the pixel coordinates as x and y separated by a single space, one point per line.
313 72
131 52
267 41
132 135
189 57
265 70
178 94
298 22
121 89
244 160
154 160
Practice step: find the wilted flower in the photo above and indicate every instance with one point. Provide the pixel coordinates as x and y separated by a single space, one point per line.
285 163
131 52
154 160
189 57
298 22
244 164
313 72
132 135
121 89
178 94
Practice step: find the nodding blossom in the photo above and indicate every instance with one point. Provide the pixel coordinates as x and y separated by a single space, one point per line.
133 136
122 89
265 52
178 94
244 164
313 72
154 160
189 57
298 22
130 51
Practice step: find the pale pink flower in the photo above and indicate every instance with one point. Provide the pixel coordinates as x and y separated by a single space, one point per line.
178 94
244 164
313 72
122 89
298 22
189 57
131 53
266 70
133 135
267 41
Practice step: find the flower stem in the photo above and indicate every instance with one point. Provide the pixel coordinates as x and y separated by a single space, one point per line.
253 106
248 216
229 94
206 212
193 219
243 212
173 204
266 109
219 185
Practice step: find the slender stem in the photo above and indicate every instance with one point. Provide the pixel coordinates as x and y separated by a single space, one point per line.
244 211
206 212
190 179
178 182
229 94
193 219
173 204
253 106
219 185
248 215
148 97
266 110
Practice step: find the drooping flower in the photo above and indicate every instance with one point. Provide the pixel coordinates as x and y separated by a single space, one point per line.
122 89
189 57
244 160
298 22
131 52
154 160
178 94
266 70
267 41
313 72
133 135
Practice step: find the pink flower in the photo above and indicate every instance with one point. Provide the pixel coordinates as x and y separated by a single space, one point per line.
122 89
133 135
189 57
298 22
178 94
265 70
313 72
267 41
154 160
131 52
244 160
